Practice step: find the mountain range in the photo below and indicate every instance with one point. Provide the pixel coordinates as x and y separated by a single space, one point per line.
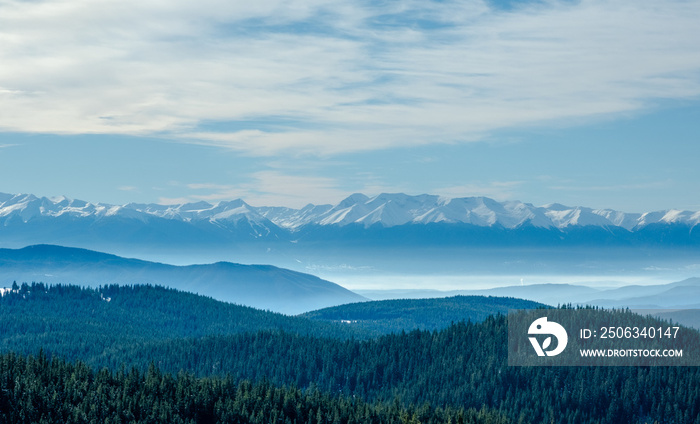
357 221
387 210
684 294
679 300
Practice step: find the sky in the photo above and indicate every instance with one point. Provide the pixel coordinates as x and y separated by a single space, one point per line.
284 103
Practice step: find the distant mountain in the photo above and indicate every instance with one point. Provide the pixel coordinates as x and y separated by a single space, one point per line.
260 286
681 294
387 316
547 294
393 218
678 301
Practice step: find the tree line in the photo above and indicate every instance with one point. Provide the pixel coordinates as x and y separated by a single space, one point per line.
34 389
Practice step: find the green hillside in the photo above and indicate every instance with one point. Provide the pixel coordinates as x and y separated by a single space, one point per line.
463 365
84 323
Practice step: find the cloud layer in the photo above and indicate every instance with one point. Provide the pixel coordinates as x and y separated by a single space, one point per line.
328 77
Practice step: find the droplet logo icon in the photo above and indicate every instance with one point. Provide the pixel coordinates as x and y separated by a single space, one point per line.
543 327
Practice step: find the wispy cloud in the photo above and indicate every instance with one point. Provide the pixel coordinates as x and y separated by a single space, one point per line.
326 77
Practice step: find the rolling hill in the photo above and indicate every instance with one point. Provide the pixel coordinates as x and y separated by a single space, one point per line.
388 316
260 286
92 324
679 294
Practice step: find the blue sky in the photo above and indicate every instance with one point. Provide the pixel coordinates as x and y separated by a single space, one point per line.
593 103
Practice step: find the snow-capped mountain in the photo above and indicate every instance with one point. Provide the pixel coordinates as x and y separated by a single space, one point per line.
234 216
390 210
385 210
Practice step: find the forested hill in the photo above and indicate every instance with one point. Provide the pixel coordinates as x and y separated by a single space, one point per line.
84 323
87 323
387 316
461 366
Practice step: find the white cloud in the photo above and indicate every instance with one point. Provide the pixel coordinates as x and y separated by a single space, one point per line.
326 77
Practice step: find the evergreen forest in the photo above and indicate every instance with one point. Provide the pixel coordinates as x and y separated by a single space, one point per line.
149 354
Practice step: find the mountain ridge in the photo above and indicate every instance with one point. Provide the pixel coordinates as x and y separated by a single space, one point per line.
386 209
675 295
359 228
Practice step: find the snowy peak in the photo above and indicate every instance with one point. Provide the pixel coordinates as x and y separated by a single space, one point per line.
620 219
577 216
483 211
293 218
26 207
385 209
234 210
353 199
